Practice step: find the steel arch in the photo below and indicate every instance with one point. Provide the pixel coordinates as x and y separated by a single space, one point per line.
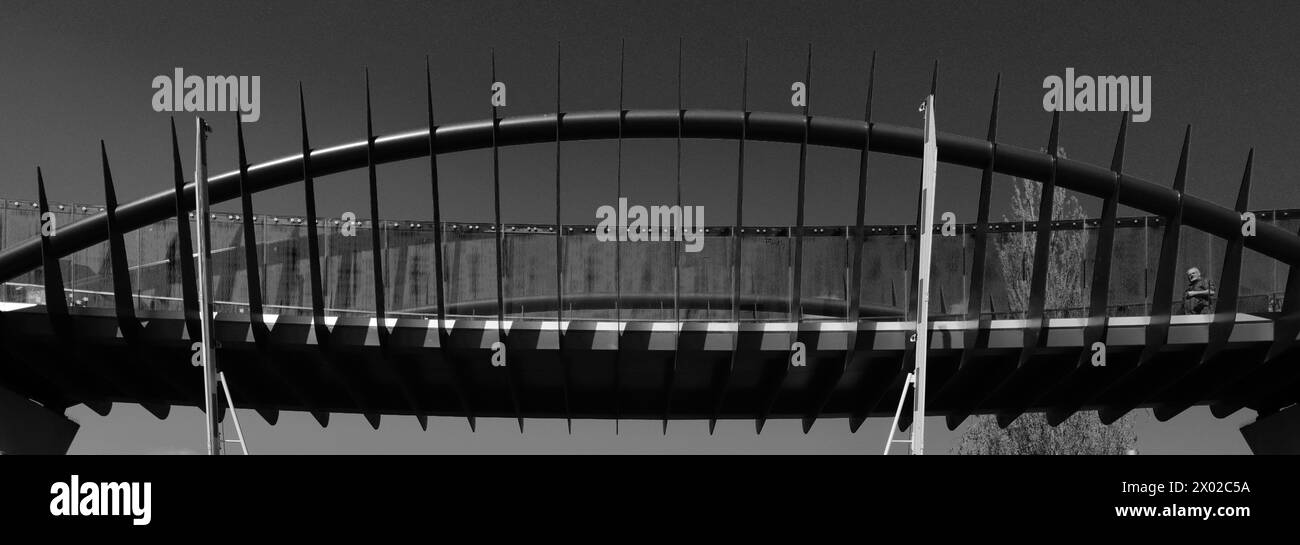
843 133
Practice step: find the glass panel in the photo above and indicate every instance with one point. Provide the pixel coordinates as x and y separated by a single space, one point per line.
706 277
412 290
156 273
229 280
646 277
350 273
89 283
1011 250
1129 269
824 273
1154 236
949 281
765 273
285 269
529 257
1068 269
470 255
65 216
1289 222
886 255
22 222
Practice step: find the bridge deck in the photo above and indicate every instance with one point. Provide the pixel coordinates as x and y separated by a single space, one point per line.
595 369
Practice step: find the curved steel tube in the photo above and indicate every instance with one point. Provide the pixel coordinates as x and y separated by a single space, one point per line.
696 124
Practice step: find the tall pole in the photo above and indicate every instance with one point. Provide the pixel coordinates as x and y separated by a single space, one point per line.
929 163
207 353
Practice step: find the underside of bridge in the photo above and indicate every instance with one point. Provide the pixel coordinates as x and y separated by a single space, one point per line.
605 370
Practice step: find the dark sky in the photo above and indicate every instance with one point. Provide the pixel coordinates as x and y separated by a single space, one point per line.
73 73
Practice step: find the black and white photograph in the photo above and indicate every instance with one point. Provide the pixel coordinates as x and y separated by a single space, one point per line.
617 227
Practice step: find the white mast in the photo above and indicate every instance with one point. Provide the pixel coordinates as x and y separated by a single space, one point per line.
925 230
207 355
929 165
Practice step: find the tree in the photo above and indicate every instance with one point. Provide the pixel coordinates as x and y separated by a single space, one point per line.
1082 433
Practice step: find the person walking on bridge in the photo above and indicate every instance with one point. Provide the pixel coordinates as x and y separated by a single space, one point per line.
1200 296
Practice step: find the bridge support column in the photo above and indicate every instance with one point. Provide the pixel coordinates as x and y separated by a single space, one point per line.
28 428
1277 433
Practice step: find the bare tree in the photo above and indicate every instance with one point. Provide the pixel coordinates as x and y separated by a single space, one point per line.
1082 433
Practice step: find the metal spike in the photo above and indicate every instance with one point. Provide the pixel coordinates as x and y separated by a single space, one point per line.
1068 384
376 257
853 303
1157 331
618 255
1117 160
1209 372
122 301
855 278
1162 298
722 376
618 194
982 222
1036 317
934 79
1243 193
774 383
437 201
144 379
736 246
559 225
1285 329
252 269
444 337
499 237
993 116
566 363
670 376
1100 291
796 291
807 104
1225 316
1180 179
1053 140
56 301
189 280
313 242
496 200
1042 242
